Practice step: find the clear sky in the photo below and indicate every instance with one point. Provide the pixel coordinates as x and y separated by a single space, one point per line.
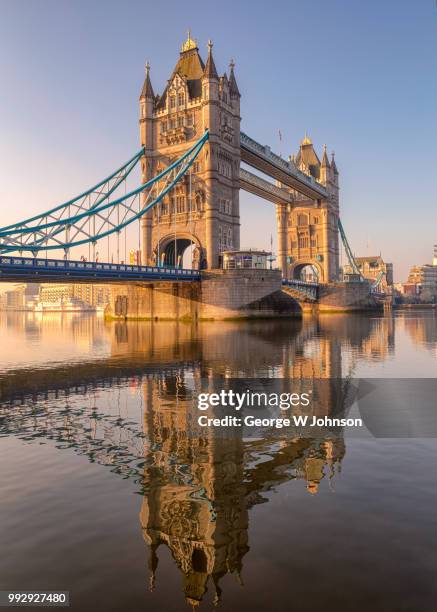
357 75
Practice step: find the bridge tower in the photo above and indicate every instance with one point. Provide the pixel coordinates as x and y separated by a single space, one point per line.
202 212
308 230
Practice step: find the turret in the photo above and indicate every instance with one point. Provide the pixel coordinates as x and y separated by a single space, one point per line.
334 171
233 87
147 100
325 169
210 79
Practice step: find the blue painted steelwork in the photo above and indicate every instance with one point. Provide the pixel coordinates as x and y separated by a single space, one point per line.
85 223
353 264
37 270
119 175
307 289
377 281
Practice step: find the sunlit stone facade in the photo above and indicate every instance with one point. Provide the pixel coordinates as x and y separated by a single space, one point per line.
202 212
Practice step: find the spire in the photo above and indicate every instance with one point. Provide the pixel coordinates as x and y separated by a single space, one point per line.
147 91
333 166
210 71
233 87
306 140
325 160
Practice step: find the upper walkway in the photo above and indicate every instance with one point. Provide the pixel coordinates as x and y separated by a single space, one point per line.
261 157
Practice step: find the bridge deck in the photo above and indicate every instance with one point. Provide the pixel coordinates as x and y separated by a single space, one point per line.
28 269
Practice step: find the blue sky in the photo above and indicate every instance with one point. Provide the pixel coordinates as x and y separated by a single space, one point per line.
360 76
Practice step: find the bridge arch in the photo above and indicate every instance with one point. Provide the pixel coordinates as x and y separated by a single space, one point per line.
308 270
184 250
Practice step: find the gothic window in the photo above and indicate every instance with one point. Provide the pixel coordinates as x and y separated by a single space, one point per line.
180 204
180 121
196 166
302 219
303 242
316 220
181 99
172 102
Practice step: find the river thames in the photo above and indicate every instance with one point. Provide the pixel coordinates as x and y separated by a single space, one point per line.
109 491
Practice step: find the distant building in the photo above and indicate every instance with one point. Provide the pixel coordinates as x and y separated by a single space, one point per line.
249 258
21 297
371 268
424 278
92 295
409 289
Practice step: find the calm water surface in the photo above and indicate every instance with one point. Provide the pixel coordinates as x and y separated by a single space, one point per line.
110 492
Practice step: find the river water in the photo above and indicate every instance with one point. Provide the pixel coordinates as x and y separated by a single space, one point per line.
109 492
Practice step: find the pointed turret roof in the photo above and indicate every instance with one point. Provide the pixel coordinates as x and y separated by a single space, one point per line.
210 71
233 87
325 160
308 157
333 165
190 67
147 91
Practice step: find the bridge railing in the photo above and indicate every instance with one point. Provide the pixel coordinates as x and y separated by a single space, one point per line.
299 283
307 289
33 266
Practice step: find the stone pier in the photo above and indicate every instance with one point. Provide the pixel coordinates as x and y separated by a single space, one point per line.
343 297
221 294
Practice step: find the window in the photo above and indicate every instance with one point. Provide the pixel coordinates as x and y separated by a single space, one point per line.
172 102
225 206
180 204
181 99
180 121
196 167
303 242
302 219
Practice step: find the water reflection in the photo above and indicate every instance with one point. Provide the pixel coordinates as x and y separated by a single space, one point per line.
129 406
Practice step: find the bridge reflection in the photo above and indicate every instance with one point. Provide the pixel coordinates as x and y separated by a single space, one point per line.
133 410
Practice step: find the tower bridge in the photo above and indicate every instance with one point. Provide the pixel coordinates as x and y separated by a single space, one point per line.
194 162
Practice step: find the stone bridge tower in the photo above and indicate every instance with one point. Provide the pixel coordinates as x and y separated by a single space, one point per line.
202 212
308 230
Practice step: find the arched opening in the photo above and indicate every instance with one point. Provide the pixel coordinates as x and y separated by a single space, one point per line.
183 252
307 272
199 561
